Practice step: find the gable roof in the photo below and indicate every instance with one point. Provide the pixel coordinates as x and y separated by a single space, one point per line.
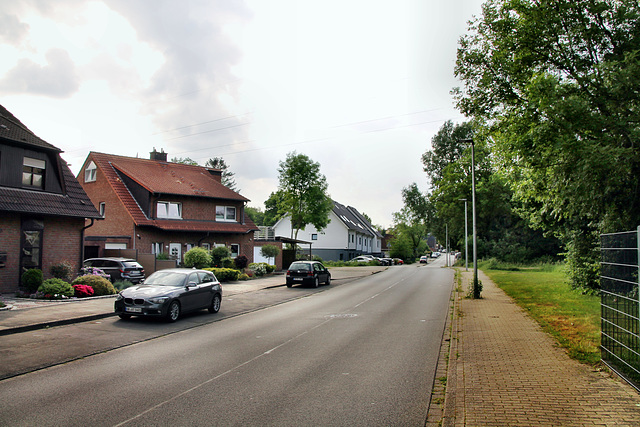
160 177
354 220
74 202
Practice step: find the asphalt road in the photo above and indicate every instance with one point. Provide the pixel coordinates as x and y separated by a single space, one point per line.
359 354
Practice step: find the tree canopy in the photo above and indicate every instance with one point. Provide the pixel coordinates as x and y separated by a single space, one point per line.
552 87
303 190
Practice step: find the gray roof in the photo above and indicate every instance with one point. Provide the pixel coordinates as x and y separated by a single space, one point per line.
354 220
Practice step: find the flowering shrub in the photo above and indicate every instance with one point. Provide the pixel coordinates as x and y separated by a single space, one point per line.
93 271
241 262
258 269
82 291
55 289
100 285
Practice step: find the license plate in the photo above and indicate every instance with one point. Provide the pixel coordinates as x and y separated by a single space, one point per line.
133 309
298 279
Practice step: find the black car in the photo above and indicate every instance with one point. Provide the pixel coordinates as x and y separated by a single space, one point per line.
169 293
118 268
308 273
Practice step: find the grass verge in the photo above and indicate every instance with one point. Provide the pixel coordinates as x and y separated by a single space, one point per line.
572 318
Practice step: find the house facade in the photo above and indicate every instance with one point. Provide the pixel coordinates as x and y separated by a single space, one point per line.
42 205
159 207
347 235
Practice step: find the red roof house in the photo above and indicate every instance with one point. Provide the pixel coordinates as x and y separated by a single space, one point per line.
156 206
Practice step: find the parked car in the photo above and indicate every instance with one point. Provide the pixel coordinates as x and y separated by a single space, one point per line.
387 261
435 254
170 293
398 261
118 268
362 258
307 273
423 259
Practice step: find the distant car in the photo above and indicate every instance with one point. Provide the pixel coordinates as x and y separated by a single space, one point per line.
435 254
423 259
169 293
362 258
307 273
118 268
398 261
387 261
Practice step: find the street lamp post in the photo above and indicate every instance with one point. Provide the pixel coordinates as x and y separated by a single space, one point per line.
466 237
476 285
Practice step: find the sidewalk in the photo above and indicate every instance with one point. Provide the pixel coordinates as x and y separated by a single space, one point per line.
28 314
505 371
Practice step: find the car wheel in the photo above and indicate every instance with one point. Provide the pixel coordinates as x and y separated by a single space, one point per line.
215 304
328 282
289 284
124 316
174 311
316 282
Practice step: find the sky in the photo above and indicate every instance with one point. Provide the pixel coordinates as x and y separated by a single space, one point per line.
359 86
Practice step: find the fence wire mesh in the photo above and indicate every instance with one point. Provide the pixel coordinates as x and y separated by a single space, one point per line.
620 322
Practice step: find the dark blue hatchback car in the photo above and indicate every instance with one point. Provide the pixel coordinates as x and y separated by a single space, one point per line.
308 273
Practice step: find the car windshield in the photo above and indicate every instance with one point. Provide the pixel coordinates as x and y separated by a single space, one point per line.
166 278
300 266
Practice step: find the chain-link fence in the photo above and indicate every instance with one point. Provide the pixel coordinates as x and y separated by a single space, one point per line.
620 341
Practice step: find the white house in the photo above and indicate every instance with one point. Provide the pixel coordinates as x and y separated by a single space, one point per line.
347 235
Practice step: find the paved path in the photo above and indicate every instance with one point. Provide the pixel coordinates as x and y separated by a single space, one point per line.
505 371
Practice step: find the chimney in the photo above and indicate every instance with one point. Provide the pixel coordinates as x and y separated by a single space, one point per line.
160 156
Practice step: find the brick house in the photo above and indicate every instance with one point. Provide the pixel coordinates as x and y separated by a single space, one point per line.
42 205
155 206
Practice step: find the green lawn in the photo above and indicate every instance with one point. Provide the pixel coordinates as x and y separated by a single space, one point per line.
572 318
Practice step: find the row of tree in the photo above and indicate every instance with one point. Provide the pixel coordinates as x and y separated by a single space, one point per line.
551 89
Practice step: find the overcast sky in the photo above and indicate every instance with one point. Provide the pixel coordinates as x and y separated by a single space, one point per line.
360 86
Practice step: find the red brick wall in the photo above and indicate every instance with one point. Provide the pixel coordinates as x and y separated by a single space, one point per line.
10 243
60 242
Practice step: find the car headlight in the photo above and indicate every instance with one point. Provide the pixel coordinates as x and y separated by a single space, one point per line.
158 300
119 297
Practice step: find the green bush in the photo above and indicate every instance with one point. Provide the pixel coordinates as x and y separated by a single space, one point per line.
244 276
197 257
63 270
56 288
32 279
100 285
163 256
258 269
122 284
270 268
225 274
218 254
228 263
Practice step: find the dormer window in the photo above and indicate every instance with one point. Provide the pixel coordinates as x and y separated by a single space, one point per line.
226 213
33 172
90 173
172 210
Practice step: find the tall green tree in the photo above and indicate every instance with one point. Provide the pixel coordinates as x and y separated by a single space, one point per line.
555 84
274 208
228 177
304 192
256 215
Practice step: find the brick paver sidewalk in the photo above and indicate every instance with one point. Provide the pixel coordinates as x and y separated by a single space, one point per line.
505 371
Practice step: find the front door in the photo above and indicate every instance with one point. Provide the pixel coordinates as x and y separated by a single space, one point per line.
31 244
175 251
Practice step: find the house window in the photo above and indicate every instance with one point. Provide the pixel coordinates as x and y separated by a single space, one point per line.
90 173
102 209
169 210
206 246
235 250
314 236
157 248
33 172
225 213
